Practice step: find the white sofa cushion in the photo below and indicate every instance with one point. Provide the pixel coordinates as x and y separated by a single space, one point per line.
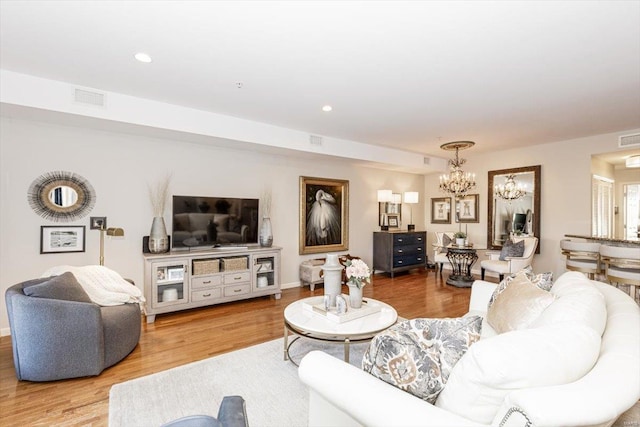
578 300
493 367
518 305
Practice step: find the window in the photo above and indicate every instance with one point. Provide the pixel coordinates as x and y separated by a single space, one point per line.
631 193
602 207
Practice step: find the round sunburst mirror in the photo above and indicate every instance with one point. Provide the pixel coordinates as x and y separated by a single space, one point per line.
61 196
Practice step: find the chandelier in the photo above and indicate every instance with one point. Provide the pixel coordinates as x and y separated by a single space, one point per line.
457 182
509 190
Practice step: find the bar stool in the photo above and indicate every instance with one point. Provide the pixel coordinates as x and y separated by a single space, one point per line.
582 256
622 267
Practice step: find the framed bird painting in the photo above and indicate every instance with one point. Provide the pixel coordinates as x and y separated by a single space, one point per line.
324 215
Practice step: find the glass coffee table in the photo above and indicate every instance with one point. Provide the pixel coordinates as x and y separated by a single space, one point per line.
302 322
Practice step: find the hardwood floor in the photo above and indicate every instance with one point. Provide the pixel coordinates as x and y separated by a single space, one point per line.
183 337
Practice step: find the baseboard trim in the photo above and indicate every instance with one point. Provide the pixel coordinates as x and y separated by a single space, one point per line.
5 332
290 285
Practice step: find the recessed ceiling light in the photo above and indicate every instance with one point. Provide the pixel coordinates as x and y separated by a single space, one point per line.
143 57
327 108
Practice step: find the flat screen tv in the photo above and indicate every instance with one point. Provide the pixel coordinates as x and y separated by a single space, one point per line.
201 222
520 222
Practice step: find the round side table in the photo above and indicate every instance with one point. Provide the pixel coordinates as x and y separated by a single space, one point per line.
462 259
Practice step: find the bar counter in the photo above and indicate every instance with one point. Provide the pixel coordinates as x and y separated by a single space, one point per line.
612 242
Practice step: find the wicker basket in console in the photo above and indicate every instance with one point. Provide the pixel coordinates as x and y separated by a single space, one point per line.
206 266
234 264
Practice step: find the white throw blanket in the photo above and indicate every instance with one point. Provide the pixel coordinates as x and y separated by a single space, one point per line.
104 286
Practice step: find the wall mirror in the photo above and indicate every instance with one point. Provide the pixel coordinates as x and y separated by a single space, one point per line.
390 208
519 215
61 196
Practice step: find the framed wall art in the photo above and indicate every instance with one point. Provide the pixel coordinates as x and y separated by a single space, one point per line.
393 220
98 223
467 208
324 215
441 210
386 208
57 239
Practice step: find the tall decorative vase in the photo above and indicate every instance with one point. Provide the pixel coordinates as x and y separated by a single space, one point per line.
158 238
332 272
355 295
266 235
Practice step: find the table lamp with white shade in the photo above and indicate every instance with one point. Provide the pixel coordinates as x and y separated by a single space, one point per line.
411 198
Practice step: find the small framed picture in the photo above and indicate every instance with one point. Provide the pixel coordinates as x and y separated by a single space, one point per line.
441 210
467 209
98 223
56 239
393 220
175 273
161 274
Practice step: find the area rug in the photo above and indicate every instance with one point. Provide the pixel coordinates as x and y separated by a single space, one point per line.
274 395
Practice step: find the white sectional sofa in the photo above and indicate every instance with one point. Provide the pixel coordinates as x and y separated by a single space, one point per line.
547 374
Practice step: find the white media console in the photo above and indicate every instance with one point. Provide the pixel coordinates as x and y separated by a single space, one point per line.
181 280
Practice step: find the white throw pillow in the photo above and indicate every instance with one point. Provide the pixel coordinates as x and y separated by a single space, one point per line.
518 305
542 280
495 366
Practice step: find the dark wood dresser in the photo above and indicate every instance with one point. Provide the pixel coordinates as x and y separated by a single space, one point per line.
395 251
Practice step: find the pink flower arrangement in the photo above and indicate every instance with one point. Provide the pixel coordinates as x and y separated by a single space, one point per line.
358 272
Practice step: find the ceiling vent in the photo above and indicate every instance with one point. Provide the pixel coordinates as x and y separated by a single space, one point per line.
315 140
87 97
626 141
426 160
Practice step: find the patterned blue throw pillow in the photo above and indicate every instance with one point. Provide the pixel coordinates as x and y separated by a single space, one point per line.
511 249
417 355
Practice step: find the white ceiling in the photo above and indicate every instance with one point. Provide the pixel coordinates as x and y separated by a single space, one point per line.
409 75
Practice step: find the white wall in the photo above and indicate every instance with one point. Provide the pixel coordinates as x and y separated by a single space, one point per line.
565 191
119 166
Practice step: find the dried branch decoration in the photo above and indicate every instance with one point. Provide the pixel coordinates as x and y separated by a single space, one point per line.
266 203
158 195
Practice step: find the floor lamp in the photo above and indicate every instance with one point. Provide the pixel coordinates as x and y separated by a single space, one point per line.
111 231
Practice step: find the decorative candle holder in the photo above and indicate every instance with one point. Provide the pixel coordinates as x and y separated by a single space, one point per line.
332 271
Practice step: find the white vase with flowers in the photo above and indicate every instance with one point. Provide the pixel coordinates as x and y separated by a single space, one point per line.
358 275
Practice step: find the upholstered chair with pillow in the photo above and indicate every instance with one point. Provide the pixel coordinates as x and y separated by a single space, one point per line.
443 239
514 256
57 332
